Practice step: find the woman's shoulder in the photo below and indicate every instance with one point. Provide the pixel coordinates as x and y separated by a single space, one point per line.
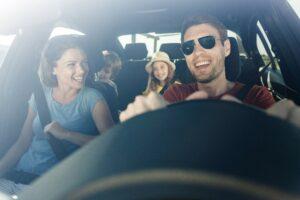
88 92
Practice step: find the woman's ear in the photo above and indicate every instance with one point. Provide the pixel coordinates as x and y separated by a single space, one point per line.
227 47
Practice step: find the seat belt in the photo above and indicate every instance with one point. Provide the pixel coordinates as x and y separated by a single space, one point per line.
45 118
241 95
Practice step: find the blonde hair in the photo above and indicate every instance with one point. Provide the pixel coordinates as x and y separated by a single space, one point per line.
153 82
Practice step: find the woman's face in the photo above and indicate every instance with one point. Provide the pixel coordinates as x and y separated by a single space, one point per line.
71 69
160 70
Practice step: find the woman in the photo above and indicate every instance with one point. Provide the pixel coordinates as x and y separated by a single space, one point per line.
78 113
161 72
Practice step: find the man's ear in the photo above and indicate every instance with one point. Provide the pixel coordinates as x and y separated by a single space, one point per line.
227 47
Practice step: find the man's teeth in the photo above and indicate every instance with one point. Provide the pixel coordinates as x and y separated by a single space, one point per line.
78 78
199 64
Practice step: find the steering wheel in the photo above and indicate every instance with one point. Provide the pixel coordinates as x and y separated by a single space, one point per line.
205 149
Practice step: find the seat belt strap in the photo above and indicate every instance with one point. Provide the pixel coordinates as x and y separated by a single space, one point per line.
45 118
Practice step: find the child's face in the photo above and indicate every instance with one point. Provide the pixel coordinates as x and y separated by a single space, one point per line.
105 73
160 70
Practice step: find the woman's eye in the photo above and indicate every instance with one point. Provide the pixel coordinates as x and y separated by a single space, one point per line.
71 64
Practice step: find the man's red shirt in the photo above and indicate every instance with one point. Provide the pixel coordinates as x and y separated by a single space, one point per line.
257 96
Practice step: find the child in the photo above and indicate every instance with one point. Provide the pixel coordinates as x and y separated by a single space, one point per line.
161 72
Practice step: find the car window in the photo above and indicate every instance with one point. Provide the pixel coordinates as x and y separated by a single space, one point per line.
152 40
264 48
5 43
295 4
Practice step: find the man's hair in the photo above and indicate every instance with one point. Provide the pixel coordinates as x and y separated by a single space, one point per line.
112 60
194 20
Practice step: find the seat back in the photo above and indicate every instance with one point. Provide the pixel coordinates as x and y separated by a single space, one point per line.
173 50
232 62
132 79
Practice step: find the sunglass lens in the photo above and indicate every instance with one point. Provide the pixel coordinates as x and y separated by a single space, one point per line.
188 47
207 42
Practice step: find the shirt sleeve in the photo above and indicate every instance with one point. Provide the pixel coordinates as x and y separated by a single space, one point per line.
170 95
260 97
92 97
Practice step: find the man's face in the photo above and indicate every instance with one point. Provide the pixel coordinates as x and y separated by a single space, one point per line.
206 64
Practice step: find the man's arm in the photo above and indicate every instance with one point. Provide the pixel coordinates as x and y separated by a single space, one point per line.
143 104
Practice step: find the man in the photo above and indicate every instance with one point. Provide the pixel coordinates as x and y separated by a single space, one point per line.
205 46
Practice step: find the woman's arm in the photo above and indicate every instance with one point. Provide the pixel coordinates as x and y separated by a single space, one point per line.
101 117
21 145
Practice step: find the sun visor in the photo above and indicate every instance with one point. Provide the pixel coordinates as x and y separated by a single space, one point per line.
16 14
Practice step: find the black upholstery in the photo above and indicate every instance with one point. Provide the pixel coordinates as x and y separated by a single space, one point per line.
182 73
173 50
110 96
132 79
232 62
135 51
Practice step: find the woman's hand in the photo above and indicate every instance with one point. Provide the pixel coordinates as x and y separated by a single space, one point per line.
56 130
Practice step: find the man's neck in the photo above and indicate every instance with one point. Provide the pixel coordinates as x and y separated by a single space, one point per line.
216 87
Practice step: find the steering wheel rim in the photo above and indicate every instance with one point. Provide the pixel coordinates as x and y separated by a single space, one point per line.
242 142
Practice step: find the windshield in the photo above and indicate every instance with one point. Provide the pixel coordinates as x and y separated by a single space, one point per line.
5 43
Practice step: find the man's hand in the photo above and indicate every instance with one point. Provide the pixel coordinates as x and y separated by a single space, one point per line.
287 110
56 130
143 104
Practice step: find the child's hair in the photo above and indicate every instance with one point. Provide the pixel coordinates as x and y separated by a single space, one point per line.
113 61
153 82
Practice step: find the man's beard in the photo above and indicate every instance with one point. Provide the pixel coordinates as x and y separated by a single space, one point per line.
215 74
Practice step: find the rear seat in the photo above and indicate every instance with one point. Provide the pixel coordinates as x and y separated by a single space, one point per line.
182 73
132 79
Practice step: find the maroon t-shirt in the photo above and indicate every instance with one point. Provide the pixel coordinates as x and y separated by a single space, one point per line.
257 96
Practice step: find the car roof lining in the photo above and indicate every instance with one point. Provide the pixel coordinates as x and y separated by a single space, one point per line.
99 16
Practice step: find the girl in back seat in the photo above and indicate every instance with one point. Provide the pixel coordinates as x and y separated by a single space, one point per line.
161 72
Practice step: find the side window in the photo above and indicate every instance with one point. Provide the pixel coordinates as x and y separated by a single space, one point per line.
265 49
295 4
152 40
5 43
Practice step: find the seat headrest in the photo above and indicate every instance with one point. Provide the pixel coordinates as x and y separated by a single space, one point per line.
173 50
232 62
135 51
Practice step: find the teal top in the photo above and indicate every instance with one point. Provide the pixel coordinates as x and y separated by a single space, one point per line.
75 116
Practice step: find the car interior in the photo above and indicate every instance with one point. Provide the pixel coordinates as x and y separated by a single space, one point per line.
241 152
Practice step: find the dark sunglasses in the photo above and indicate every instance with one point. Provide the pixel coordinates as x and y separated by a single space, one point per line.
207 42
